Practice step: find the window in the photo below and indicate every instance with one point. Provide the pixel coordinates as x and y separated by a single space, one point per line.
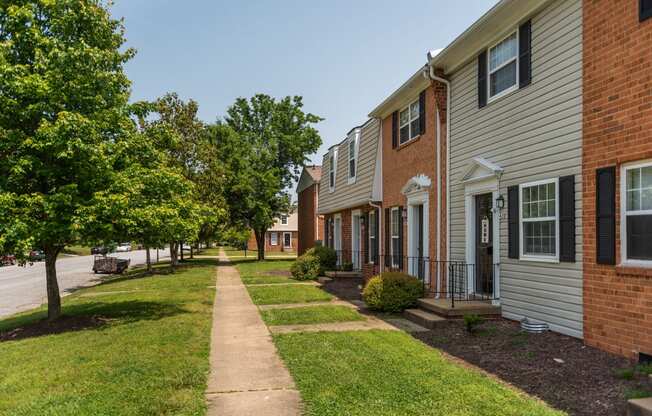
503 67
395 237
372 236
636 217
353 157
284 220
287 240
273 239
409 122
540 220
645 11
332 169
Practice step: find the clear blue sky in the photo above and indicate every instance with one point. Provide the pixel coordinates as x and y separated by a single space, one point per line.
344 57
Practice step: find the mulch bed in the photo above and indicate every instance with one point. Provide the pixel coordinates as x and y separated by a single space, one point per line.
44 327
345 288
583 380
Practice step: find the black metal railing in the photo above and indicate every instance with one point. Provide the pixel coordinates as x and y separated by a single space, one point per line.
454 280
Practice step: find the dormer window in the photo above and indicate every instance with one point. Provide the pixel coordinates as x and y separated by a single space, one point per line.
332 169
284 220
409 122
353 157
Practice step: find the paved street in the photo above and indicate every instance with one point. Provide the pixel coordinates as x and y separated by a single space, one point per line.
23 288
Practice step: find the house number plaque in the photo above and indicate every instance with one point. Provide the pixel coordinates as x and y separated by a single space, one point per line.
484 231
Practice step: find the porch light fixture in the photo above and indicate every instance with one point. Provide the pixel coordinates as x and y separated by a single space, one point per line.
404 214
500 202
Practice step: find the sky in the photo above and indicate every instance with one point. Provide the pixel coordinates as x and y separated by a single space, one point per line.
343 57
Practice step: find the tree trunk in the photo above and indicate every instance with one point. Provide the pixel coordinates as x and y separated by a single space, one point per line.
181 249
149 261
173 255
260 244
54 299
192 256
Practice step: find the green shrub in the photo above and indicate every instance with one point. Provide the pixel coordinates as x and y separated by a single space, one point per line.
306 267
326 255
471 322
392 292
347 267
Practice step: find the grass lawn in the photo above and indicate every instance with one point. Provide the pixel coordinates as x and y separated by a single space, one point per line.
310 315
147 354
273 295
78 250
267 279
381 373
250 268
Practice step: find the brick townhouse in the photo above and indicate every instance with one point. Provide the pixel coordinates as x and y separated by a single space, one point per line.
350 195
310 222
617 171
281 237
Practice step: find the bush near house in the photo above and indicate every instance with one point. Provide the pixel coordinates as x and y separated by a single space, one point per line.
306 267
392 292
326 255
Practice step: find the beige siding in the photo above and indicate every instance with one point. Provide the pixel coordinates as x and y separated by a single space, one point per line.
533 134
348 195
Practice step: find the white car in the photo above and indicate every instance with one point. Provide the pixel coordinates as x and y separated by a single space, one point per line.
123 247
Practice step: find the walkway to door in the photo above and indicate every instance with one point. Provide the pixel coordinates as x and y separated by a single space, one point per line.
247 376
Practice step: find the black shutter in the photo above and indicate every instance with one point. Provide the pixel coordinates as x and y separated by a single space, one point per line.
376 236
365 236
513 238
525 54
422 112
327 241
394 129
645 9
482 79
400 238
605 211
567 219
388 232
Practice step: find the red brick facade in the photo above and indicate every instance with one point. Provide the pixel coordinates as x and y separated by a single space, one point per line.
279 246
617 129
310 224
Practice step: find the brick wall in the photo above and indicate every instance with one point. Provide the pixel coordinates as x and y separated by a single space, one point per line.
617 129
311 226
251 244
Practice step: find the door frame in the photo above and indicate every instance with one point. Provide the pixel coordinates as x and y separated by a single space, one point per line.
290 234
471 190
413 202
356 215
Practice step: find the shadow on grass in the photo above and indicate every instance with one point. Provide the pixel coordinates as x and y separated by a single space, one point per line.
85 316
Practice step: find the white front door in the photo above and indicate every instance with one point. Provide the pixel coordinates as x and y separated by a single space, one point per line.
355 240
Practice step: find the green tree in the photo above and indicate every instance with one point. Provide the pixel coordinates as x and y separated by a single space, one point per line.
272 141
63 99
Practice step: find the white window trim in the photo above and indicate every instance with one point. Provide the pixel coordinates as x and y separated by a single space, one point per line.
332 168
290 245
409 123
532 257
623 214
356 143
510 90
284 220
372 220
273 239
392 236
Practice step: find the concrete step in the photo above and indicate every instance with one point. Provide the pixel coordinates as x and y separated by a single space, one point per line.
343 275
639 407
444 308
424 318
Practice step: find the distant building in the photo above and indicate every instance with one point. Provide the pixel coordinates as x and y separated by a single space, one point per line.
283 236
311 224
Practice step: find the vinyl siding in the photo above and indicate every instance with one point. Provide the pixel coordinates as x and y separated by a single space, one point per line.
534 133
350 195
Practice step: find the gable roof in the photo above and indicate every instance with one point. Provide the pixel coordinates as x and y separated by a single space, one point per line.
309 175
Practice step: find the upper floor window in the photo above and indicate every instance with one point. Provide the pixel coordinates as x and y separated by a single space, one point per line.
645 11
409 122
284 220
503 66
332 169
540 220
353 157
637 213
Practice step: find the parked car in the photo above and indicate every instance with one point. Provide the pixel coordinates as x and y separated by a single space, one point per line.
103 250
123 247
8 260
36 255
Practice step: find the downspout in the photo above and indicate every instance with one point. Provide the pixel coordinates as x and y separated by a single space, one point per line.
379 207
434 77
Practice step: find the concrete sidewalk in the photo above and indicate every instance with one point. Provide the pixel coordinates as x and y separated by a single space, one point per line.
247 376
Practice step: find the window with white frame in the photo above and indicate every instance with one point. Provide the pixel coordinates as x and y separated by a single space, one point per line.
394 225
372 236
332 166
353 157
503 66
540 220
284 220
636 218
273 239
409 122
